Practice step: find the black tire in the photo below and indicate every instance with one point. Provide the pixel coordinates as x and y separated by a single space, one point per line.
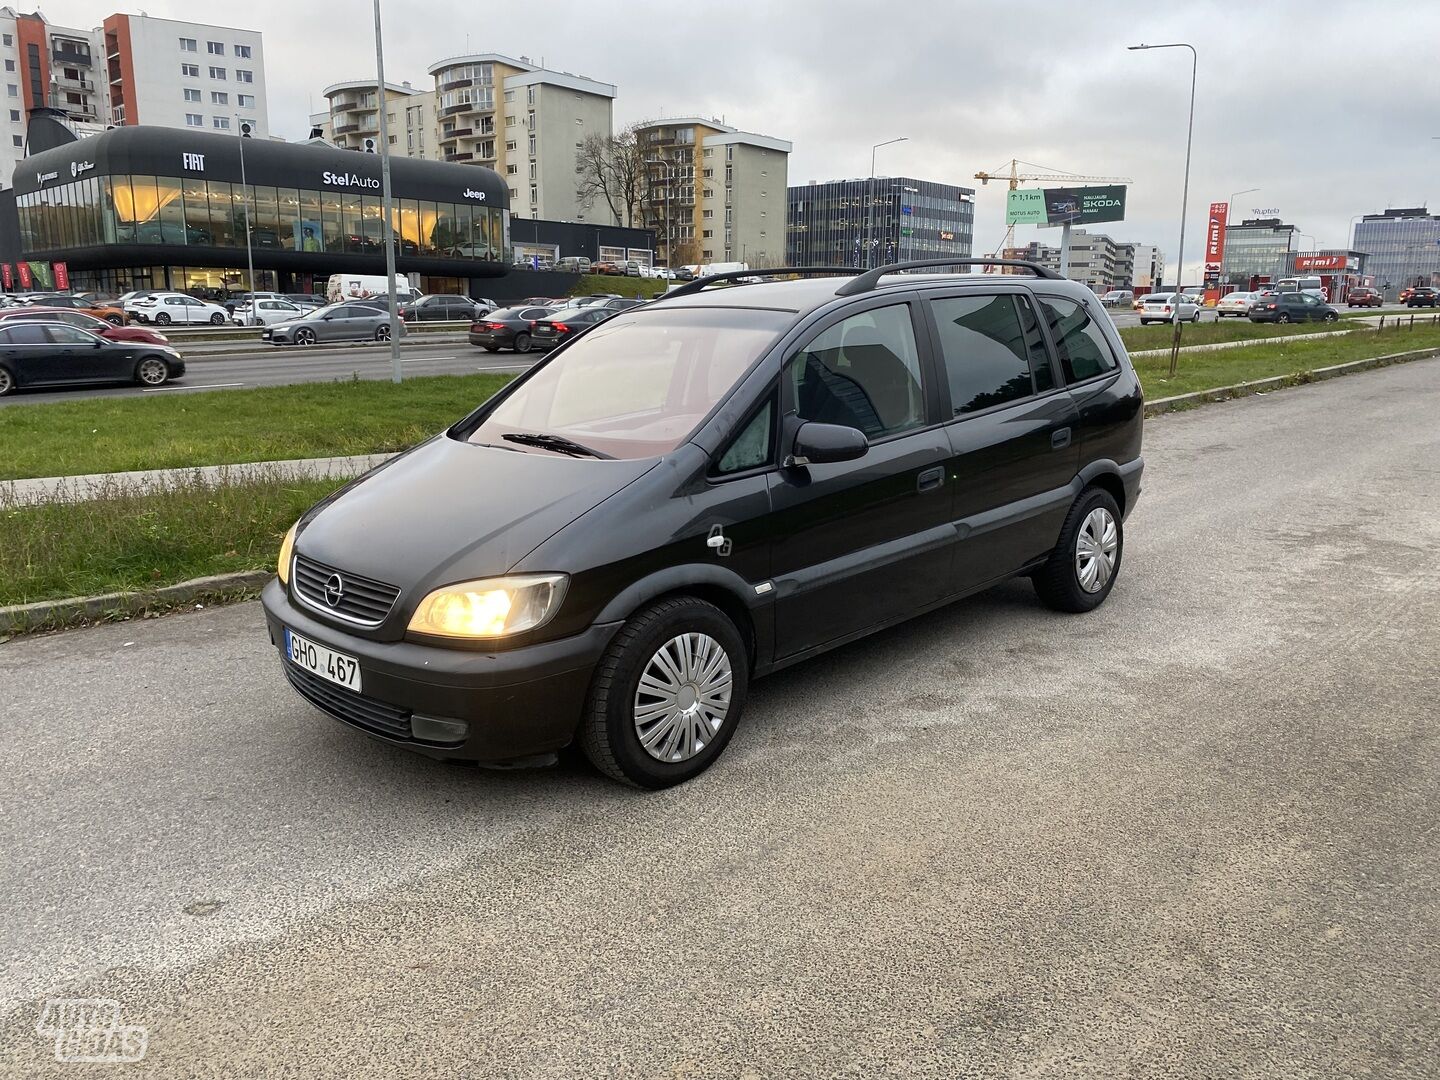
152 371
162 319
382 332
1058 582
522 342
1282 317
217 319
1332 316
304 336
608 734
115 320
7 381
491 348
1196 317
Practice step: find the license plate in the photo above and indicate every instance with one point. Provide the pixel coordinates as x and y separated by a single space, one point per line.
318 660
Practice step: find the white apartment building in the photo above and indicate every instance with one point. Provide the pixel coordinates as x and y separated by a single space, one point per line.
1149 263
525 122
353 119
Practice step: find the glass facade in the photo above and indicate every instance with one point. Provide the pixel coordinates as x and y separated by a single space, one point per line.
1402 248
125 209
1256 247
831 224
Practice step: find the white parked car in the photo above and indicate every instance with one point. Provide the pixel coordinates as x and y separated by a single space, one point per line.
267 311
1235 303
165 308
1160 307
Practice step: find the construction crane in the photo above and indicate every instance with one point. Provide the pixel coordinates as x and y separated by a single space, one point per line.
1016 178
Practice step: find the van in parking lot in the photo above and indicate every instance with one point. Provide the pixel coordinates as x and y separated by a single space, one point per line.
705 489
573 264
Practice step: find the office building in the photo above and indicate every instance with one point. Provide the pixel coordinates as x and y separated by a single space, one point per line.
527 123
718 193
1257 247
877 220
1402 248
352 121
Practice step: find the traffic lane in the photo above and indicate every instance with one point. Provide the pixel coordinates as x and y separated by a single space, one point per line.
1188 834
284 367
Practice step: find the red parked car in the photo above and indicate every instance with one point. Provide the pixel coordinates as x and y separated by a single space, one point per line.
1364 296
99 327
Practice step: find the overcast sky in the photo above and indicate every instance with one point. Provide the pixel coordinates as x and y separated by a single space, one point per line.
1329 109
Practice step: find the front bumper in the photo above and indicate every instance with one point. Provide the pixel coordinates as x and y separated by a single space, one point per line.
517 702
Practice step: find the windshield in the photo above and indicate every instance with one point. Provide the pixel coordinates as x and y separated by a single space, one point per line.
637 385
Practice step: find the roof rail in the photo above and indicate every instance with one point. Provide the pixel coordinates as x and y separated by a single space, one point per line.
691 287
868 280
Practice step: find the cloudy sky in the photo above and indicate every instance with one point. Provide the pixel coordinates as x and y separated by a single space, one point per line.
1330 110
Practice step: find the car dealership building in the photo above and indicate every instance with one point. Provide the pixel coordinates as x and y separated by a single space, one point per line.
164 208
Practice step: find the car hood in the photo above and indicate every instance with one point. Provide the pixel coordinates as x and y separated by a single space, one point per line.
448 511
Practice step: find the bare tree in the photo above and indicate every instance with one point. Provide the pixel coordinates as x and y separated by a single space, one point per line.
612 169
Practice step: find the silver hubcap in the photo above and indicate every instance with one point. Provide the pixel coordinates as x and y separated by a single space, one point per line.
4 381
683 697
152 372
1095 550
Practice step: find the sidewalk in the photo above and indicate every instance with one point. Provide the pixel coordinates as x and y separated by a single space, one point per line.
98 485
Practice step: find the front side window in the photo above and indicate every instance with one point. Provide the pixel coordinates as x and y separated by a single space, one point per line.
752 448
1084 352
863 372
984 349
637 385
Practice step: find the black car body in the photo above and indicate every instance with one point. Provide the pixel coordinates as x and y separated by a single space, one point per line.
34 354
438 307
1289 307
1421 296
557 327
507 328
707 489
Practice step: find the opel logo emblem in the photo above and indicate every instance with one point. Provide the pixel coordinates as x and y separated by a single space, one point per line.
334 590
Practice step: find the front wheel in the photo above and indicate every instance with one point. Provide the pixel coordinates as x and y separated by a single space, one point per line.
1332 316
522 342
1082 569
217 319
152 371
667 694
162 319
382 332
304 337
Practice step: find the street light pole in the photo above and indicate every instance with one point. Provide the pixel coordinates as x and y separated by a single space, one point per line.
1184 194
245 195
387 204
870 227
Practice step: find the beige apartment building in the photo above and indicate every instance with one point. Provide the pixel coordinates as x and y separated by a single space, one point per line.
352 121
719 193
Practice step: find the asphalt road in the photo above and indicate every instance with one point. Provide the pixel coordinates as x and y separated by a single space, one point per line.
1193 834
277 366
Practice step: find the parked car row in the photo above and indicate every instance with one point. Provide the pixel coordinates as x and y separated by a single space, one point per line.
545 325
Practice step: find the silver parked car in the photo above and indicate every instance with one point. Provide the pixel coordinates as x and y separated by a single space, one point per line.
1236 303
337 322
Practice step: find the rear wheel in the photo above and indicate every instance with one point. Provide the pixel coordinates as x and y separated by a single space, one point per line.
522 342
1282 317
1082 569
162 319
666 695
7 381
152 371
1195 317
304 336
115 320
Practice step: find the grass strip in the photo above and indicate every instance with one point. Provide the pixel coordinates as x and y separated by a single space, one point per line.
641 288
272 423
1215 333
127 541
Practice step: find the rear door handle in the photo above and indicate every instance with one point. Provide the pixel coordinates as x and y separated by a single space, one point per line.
1060 438
930 479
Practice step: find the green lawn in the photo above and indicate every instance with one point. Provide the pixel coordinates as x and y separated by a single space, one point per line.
270 423
644 288
1213 333
125 542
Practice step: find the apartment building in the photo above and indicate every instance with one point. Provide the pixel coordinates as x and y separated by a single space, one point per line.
47 66
352 121
1148 263
527 123
718 193
1098 261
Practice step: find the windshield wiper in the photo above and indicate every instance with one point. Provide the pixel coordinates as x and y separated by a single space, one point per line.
557 443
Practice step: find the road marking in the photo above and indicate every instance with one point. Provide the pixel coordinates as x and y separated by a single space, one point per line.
202 386
424 359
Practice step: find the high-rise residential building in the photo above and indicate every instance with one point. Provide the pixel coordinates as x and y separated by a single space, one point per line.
877 220
527 123
1403 248
1148 263
1256 247
47 66
353 119
718 192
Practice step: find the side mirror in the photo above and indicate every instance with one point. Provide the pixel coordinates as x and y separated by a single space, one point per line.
818 444
96 343
327 318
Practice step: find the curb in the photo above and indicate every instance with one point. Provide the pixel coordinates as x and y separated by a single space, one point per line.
55 614
1279 382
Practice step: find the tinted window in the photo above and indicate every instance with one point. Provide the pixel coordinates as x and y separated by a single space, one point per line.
1084 352
863 372
984 349
69 335
23 335
751 448
1035 350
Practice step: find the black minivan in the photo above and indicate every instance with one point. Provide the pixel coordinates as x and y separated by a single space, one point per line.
703 490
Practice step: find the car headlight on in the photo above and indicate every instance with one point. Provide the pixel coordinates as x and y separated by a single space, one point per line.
287 549
490 608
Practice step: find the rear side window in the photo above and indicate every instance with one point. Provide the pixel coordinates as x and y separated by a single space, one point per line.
863 372
986 354
23 335
1084 352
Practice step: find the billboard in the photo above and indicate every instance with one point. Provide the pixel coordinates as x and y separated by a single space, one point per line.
1321 262
1215 247
1065 206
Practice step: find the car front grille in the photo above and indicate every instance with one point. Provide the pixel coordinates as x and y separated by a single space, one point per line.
346 705
362 600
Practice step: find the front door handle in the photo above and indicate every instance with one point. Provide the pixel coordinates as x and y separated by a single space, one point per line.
930 479
1060 438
